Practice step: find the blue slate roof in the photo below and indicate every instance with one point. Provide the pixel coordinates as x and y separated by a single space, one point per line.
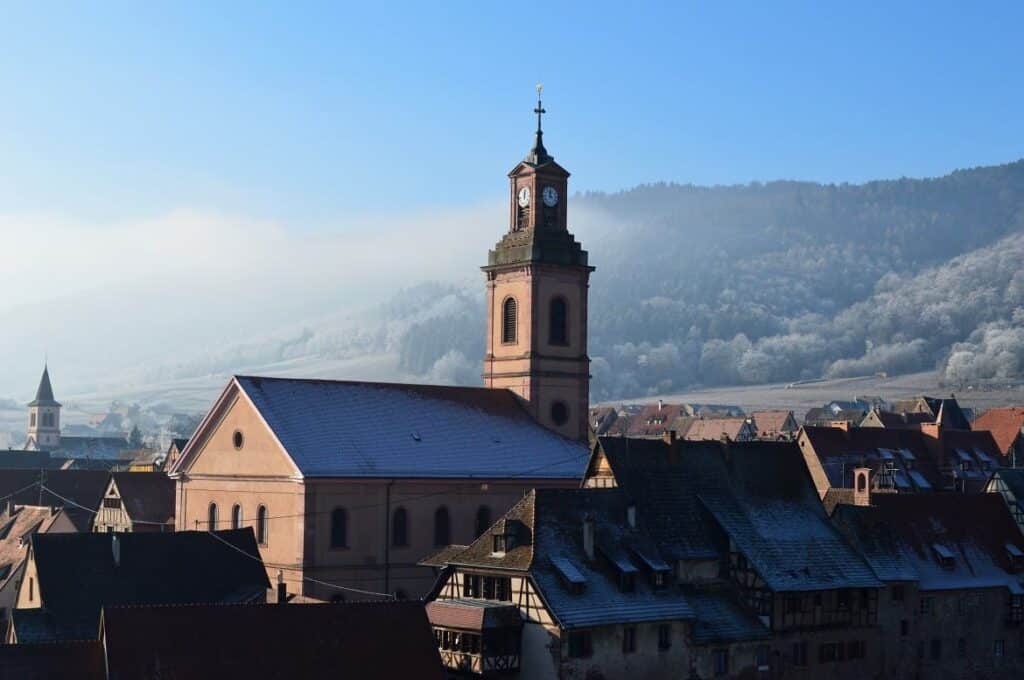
550 535
358 429
720 619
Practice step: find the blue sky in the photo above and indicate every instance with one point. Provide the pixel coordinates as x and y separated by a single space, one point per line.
178 177
308 113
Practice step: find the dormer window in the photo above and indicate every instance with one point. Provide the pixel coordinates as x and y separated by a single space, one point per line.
1016 557
500 544
944 555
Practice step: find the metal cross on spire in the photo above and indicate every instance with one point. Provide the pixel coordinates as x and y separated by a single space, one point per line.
538 154
540 109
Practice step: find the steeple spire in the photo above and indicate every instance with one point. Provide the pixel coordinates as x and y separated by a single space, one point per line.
538 154
44 393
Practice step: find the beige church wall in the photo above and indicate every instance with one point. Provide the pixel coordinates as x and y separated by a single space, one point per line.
282 498
362 562
260 455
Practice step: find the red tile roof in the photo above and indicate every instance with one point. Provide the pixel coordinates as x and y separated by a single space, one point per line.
1004 423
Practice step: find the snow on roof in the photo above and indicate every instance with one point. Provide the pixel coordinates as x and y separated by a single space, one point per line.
356 429
940 543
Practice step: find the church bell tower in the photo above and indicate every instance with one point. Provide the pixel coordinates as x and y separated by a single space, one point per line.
537 282
43 417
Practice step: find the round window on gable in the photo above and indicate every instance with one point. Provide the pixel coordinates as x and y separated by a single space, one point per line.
559 413
238 440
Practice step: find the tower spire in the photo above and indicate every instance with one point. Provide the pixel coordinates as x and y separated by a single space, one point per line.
538 154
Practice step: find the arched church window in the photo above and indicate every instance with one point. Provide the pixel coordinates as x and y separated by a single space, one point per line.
442 527
32 419
211 517
236 517
400 528
339 528
559 413
558 319
509 319
261 525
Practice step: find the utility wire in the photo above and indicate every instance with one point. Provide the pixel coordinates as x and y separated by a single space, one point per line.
236 548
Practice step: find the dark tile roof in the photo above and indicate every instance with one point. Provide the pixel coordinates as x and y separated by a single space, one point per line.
44 393
77 573
84 487
386 640
442 556
1005 424
548 530
358 429
654 420
758 493
720 619
841 450
12 459
901 535
952 415
82 660
147 496
906 419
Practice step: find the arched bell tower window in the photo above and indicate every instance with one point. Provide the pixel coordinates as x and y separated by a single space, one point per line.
509 319
558 322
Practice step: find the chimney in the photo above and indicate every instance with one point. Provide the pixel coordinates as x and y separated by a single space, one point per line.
669 437
282 589
631 515
588 536
661 404
115 548
862 486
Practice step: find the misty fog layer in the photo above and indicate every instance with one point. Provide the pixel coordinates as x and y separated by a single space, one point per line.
703 286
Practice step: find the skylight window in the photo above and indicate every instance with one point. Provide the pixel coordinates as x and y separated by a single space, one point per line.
907 455
919 480
964 456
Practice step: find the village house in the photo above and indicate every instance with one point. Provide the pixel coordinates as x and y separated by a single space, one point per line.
954 573
900 460
174 450
602 418
778 425
716 429
69 578
946 409
743 521
561 586
136 501
17 524
1007 428
1009 483
352 483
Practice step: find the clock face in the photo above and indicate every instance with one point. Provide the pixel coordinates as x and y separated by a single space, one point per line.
524 197
550 196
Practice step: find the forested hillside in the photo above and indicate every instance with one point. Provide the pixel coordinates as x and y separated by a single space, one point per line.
736 285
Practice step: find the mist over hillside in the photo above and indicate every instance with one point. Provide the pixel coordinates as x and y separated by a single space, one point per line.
786 281
707 286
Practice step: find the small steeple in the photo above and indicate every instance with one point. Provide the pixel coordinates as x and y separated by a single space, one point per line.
44 393
538 154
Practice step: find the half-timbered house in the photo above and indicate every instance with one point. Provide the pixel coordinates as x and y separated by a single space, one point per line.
953 566
564 585
744 519
136 501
